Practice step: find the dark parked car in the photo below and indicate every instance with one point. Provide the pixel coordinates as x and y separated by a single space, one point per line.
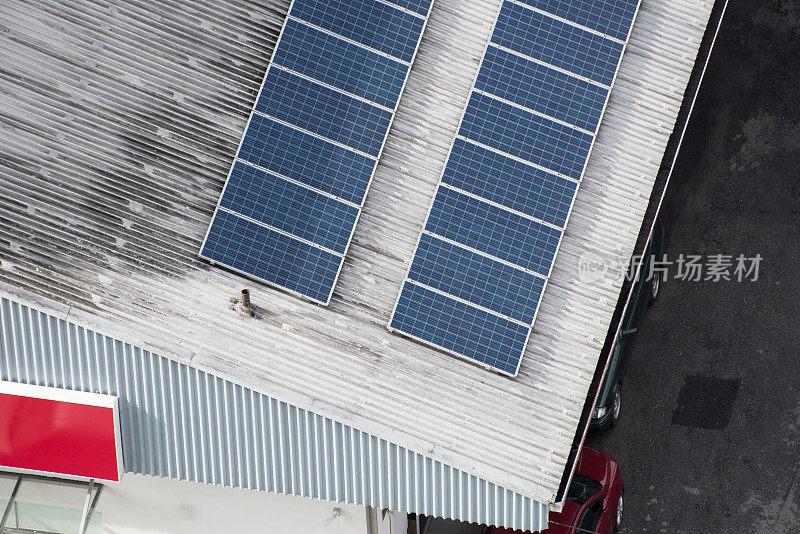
645 291
594 498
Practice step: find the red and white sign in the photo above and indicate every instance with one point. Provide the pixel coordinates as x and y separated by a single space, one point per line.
59 432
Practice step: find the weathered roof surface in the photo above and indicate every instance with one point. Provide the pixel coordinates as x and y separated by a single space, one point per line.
118 123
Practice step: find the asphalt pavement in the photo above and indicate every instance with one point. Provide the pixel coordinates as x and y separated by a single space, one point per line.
709 436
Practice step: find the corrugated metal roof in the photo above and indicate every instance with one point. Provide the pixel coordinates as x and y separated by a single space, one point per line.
182 423
119 122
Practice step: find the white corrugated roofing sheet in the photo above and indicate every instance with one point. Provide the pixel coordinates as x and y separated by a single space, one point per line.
119 123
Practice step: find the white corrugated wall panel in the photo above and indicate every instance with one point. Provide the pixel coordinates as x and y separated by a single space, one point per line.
182 423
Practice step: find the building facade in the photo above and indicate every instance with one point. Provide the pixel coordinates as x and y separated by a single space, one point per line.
121 122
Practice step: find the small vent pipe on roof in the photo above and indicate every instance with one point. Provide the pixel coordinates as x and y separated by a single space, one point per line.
244 304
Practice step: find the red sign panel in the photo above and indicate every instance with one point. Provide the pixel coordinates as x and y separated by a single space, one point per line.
61 432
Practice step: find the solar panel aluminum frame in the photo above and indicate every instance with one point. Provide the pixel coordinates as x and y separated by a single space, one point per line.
566 220
326 302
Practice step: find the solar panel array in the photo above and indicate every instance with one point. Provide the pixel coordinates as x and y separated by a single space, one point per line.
296 188
494 227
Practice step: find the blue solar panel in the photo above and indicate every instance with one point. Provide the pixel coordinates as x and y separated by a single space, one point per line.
557 43
509 182
476 278
323 111
418 6
368 22
289 207
611 17
307 159
492 230
526 135
294 193
542 89
341 64
271 256
460 328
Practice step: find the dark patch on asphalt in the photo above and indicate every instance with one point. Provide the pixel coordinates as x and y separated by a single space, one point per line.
705 402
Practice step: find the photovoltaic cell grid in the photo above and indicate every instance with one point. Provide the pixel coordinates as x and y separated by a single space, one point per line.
296 188
611 17
494 227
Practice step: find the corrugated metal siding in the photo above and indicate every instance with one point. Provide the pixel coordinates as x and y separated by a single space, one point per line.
118 123
182 423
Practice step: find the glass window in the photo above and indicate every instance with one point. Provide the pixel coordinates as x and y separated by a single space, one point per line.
582 488
591 516
7 482
45 505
